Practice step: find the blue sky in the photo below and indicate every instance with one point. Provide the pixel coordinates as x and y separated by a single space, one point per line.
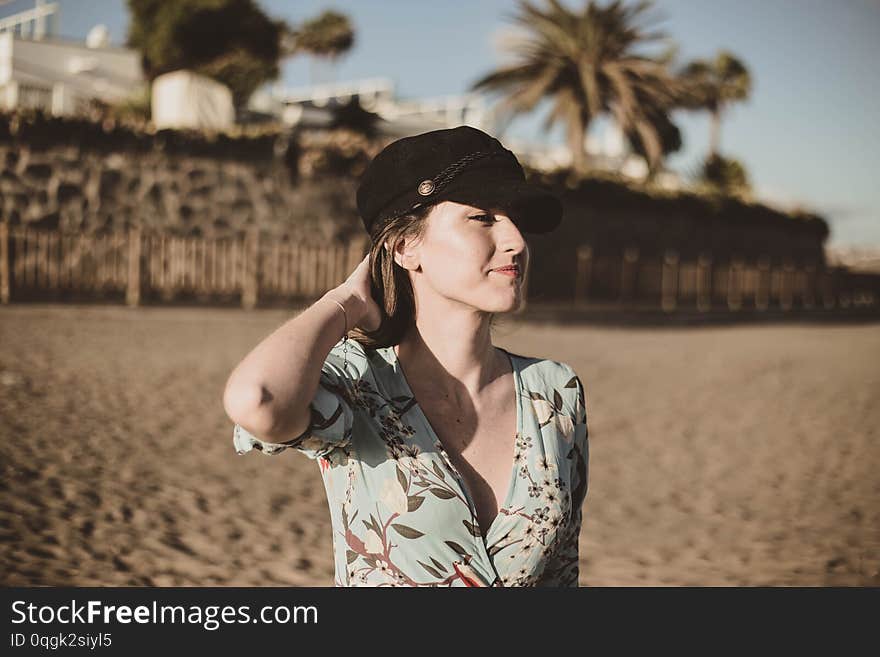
808 135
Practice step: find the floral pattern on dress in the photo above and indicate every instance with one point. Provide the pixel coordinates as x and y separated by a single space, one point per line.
400 510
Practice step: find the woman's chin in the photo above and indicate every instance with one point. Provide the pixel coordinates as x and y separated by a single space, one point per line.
508 305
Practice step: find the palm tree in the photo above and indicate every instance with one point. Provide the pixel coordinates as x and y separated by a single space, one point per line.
713 85
328 35
586 63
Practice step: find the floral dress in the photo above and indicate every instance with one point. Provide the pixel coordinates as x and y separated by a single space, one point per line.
400 511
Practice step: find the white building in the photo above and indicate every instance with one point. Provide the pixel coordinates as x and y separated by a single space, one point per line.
41 71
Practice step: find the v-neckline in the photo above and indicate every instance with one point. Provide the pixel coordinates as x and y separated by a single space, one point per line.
435 439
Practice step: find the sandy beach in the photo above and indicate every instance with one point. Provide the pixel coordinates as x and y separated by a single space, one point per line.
744 455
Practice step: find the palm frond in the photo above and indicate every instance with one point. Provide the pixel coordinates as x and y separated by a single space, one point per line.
588 62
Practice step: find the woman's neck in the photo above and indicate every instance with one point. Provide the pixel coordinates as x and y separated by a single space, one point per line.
450 364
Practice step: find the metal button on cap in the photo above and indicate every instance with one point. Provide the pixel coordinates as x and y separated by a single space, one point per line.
426 187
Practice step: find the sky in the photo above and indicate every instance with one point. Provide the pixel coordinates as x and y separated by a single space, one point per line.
809 134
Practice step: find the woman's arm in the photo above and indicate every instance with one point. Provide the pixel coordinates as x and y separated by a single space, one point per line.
269 391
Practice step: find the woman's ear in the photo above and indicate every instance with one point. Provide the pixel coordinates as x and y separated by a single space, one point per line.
402 254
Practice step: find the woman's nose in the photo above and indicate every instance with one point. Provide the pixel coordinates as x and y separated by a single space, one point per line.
512 235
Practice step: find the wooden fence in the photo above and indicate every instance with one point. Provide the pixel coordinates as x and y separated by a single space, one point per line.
706 285
139 268
145 267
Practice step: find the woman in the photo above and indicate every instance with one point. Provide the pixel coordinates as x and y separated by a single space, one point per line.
446 461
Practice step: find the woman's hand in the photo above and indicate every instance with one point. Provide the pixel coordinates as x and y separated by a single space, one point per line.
359 284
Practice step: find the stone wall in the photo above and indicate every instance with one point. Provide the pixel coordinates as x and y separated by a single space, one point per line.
82 177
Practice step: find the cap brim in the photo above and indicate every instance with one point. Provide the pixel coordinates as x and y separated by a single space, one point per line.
533 208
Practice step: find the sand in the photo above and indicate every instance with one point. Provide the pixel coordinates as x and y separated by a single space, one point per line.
724 456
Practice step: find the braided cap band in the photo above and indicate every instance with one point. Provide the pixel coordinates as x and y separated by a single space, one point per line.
453 169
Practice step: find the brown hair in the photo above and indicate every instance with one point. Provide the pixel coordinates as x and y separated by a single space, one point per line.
390 285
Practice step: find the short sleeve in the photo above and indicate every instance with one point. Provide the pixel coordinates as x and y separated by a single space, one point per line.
332 408
563 570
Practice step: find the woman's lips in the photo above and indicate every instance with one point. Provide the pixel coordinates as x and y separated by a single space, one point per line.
512 273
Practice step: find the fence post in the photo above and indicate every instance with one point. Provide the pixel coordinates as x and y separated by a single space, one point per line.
734 284
584 270
808 299
133 288
4 262
826 288
669 285
786 292
628 273
704 282
251 266
762 292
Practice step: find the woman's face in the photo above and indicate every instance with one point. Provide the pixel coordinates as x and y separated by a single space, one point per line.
458 251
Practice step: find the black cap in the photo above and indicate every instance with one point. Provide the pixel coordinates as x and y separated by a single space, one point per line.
460 164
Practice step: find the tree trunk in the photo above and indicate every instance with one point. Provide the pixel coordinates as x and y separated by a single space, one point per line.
714 133
578 146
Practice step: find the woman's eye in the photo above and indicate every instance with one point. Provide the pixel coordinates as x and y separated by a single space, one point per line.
483 217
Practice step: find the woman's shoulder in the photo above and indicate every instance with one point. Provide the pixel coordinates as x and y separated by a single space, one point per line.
547 369
554 381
